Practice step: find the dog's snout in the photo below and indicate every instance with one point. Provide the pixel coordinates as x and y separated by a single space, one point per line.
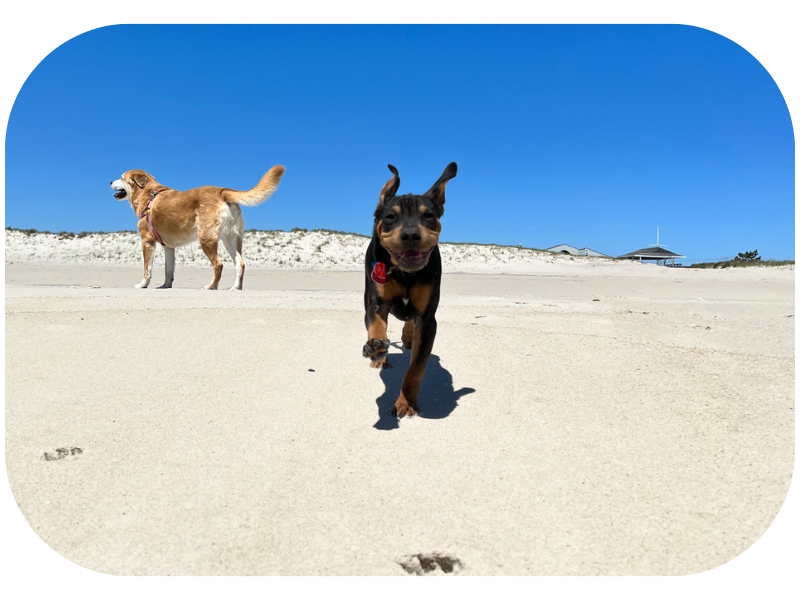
410 235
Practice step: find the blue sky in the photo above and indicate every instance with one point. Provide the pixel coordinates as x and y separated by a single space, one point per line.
586 135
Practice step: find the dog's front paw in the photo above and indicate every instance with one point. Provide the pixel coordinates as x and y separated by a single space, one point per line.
381 364
377 351
403 409
142 285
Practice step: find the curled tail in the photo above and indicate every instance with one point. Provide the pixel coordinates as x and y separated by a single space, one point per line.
265 188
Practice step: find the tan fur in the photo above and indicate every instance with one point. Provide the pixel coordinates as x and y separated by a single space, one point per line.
420 295
181 217
386 187
429 237
439 201
392 242
389 290
377 331
265 188
387 237
381 364
148 247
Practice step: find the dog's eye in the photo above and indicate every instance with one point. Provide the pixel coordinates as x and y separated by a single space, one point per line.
389 218
429 216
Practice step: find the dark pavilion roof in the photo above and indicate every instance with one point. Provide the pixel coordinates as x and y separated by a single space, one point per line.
652 253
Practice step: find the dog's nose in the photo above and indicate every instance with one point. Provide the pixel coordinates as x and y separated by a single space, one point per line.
110 183
410 235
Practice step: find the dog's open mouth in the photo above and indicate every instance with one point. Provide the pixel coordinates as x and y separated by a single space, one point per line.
119 187
414 254
412 260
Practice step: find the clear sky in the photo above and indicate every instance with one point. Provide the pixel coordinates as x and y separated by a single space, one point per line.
585 135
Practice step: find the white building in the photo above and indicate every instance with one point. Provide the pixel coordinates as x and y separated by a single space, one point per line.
567 249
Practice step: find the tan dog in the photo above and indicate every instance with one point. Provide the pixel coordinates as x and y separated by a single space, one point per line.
174 218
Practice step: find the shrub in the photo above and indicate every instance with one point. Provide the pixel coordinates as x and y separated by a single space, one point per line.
748 256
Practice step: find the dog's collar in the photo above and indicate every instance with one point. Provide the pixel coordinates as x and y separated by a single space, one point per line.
149 214
150 203
380 274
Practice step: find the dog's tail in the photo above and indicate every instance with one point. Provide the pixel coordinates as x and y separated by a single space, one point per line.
265 188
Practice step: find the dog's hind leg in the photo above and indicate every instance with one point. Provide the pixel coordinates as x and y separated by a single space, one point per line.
233 244
209 245
169 268
231 232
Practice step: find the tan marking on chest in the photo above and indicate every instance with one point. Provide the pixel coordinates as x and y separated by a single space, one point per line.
420 296
390 290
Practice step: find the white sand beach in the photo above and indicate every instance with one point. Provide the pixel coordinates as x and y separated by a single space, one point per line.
578 416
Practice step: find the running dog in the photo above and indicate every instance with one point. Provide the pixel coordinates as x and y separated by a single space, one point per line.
173 218
403 271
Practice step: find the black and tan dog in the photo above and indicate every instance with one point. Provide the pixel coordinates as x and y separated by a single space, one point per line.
403 276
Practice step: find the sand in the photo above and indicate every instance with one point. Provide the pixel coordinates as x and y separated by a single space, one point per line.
581 418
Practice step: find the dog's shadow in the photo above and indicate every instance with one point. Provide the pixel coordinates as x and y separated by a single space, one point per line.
437 398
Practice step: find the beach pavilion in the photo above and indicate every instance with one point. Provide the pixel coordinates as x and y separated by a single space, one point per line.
662 256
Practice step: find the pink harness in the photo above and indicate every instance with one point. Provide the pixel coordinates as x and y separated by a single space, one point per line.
149 214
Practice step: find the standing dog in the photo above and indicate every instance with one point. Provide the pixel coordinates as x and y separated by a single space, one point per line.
403 276
174 218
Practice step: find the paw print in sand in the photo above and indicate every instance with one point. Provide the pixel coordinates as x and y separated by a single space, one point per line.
62 453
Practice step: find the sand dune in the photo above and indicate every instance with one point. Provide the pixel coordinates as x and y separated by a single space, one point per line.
326 251
296 250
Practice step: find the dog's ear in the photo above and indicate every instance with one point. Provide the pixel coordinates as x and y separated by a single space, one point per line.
139 179
390 187
436 193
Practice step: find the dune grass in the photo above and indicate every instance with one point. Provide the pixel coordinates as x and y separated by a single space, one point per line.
742 263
